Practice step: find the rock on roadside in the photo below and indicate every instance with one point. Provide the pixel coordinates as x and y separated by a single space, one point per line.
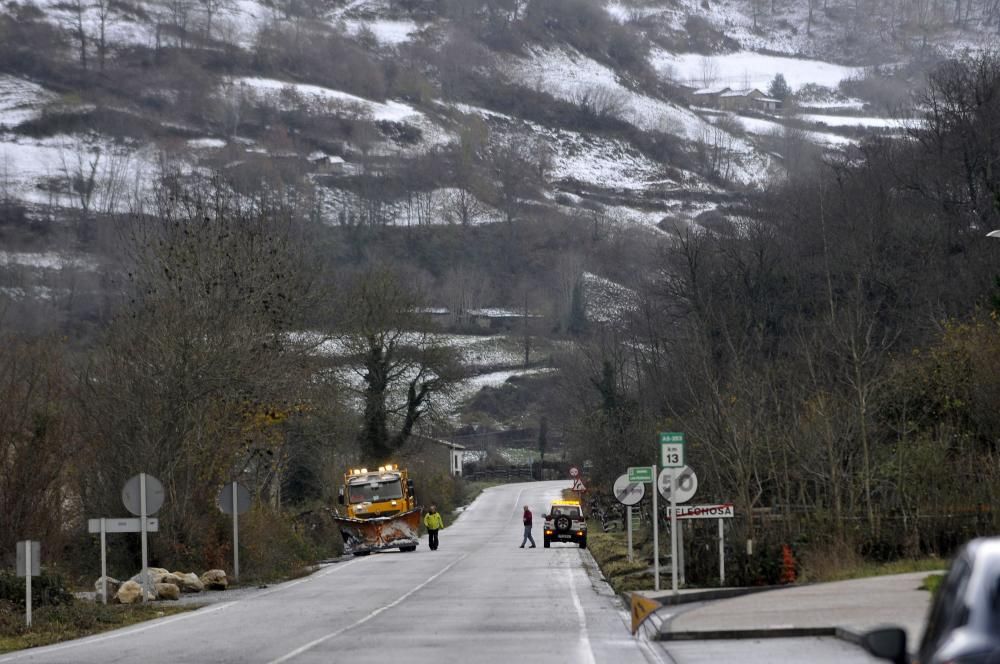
167 591
189 582
215 579
130 592
113 586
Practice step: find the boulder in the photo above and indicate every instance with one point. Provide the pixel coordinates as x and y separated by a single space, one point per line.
156 575
215 579
130 592
189 582
167 591
170 577
113 585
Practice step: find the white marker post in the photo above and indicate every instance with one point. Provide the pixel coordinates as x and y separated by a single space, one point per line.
673 530
142 527
104 560
722 556
628 516
656 536
236 536
27 582
680 552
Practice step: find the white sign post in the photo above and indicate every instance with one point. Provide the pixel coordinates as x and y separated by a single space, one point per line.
629 493
234 498
28 565
672 456
105 526
656 539
718 512
142 496
722 556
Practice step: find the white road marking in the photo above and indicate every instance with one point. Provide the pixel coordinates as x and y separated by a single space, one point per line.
517 501
128 631
138 629
332 635
588 654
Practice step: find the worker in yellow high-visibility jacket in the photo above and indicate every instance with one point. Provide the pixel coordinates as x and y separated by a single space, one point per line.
433 523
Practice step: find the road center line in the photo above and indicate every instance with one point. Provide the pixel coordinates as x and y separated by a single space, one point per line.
517 501
332 635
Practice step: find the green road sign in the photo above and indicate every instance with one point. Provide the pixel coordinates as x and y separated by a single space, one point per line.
640 474
671 449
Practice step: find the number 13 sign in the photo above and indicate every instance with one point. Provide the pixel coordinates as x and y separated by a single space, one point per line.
671 449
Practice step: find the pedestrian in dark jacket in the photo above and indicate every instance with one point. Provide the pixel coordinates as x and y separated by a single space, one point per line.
433 523
526 519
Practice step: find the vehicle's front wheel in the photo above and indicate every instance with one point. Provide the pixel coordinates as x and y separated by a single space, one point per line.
410 547
583 543
361 553
545 542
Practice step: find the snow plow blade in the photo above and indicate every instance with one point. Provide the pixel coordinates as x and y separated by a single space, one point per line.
399 531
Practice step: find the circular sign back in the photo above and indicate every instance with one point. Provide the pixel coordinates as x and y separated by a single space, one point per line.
225 499
687 483
628 493
131 495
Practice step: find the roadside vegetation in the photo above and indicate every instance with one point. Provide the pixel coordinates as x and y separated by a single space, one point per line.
52 624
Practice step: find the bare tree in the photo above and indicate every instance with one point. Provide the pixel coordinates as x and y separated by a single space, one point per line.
401 364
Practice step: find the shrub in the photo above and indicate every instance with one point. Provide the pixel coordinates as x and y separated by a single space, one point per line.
273 546
47 589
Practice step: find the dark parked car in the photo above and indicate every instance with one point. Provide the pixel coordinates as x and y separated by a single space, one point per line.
963 626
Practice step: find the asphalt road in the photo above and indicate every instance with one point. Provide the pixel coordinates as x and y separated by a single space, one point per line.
478 598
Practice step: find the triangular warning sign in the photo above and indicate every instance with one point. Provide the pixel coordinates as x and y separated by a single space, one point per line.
642 607
578 485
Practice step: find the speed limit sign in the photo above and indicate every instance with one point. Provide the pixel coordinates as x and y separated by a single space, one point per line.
687 483
574 471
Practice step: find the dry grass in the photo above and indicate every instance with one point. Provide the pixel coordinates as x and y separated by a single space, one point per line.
841 564
52 624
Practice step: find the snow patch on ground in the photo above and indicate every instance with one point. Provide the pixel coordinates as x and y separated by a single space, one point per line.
49 260
762 127
123 172
386 32
857 121
21 100
747 69
570 77
319 99
206 143
607 301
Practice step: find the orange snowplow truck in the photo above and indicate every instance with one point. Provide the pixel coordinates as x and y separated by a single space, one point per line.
382 511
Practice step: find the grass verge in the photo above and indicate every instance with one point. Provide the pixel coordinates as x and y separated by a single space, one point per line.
932 582
862 569
53 624
610 551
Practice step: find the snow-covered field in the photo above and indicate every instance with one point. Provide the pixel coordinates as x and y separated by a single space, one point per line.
121 172
763 127
857 121
48 260
747 69
319 99
21 100
607 301
572 77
